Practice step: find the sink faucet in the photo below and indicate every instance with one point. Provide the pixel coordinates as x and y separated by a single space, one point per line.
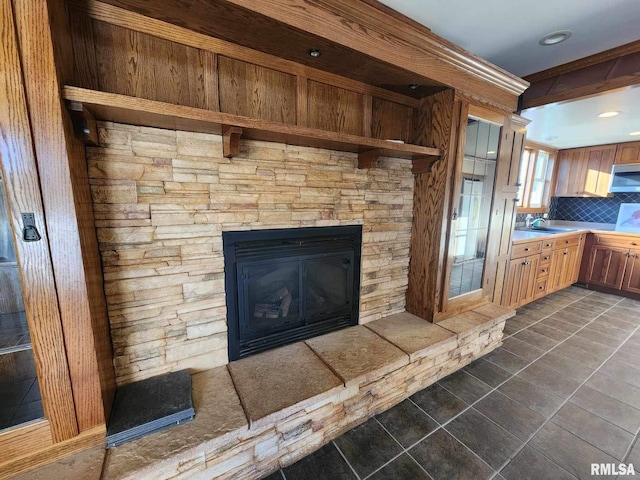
536 223
527 220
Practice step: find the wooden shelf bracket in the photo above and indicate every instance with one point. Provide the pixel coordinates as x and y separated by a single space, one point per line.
84 124
423 164
231 140
369 158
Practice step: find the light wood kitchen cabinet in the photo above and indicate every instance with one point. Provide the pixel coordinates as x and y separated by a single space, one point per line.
541 267
614 262
607 265
628 153
584 172
631 281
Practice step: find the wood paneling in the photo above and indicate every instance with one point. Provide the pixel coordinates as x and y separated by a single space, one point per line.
385 50
335 109
591 75
69 219
570 179
599 161
16 441
436 124
628 153
23 195
141 65
390 121
256 92
145 24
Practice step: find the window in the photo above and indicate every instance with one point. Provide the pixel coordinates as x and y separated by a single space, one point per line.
536 172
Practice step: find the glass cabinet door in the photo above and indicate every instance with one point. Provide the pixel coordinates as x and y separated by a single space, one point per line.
472 207
20 399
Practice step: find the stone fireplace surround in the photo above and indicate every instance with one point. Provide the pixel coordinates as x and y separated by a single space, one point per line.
162 199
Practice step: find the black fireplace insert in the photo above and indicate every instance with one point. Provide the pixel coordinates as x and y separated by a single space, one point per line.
285 285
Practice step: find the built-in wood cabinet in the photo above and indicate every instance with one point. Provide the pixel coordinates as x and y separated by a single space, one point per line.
613 262
628 153
540 267
584 172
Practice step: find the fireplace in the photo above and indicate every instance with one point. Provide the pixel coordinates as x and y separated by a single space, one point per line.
285 285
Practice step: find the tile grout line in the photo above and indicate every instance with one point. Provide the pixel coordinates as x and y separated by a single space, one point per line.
526 443
335 445
523 368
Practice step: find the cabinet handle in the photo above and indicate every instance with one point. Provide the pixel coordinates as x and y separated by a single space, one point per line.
566 241
634 243
527 249
541 287
564 253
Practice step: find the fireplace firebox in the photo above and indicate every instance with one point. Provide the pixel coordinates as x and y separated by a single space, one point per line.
285 285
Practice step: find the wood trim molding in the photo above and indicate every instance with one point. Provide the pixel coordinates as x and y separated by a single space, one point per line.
69 216
23 195
593 75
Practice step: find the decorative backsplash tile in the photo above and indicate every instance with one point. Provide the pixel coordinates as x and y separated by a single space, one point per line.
600 210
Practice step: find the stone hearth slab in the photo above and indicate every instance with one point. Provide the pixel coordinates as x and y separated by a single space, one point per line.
274 384
413 335
464 323
358 355
495 312
218 421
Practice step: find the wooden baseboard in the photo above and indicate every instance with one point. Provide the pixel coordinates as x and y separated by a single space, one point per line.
89 438
611 291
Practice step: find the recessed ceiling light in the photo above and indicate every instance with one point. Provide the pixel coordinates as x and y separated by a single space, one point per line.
315 52
490 152
608 114
555 38
552 137
635 133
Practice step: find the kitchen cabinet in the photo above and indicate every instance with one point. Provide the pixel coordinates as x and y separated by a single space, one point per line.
631 282
628 152
614 262
540 267
584 172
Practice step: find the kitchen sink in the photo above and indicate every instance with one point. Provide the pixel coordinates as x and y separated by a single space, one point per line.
547 229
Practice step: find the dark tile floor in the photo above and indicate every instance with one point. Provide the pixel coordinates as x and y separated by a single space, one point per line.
562 392
19 391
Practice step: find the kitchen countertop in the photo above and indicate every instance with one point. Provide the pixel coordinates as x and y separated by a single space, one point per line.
522 236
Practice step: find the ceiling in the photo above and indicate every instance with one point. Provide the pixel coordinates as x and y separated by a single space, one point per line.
576 124
506 33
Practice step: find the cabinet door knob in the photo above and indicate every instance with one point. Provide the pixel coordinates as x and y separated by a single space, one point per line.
527 249
634 243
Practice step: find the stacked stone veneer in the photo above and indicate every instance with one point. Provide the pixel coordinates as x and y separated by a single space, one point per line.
211 447
162 199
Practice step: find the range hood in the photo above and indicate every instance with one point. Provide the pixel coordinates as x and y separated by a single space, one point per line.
625 178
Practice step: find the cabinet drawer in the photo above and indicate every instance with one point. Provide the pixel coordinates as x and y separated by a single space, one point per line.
566 242
545 258
543 270
548 245
525 249
624 241
541 287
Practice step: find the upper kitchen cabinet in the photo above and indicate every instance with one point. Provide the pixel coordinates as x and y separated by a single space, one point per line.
628 153
584 172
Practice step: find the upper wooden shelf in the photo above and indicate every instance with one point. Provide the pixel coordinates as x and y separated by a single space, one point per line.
138 111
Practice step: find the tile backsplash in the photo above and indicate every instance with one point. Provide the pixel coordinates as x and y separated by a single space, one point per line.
600 210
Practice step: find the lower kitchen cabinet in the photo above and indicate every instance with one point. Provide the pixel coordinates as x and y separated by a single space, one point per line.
614 262
541 267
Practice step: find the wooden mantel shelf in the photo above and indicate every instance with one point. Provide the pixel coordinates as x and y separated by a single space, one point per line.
150 113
